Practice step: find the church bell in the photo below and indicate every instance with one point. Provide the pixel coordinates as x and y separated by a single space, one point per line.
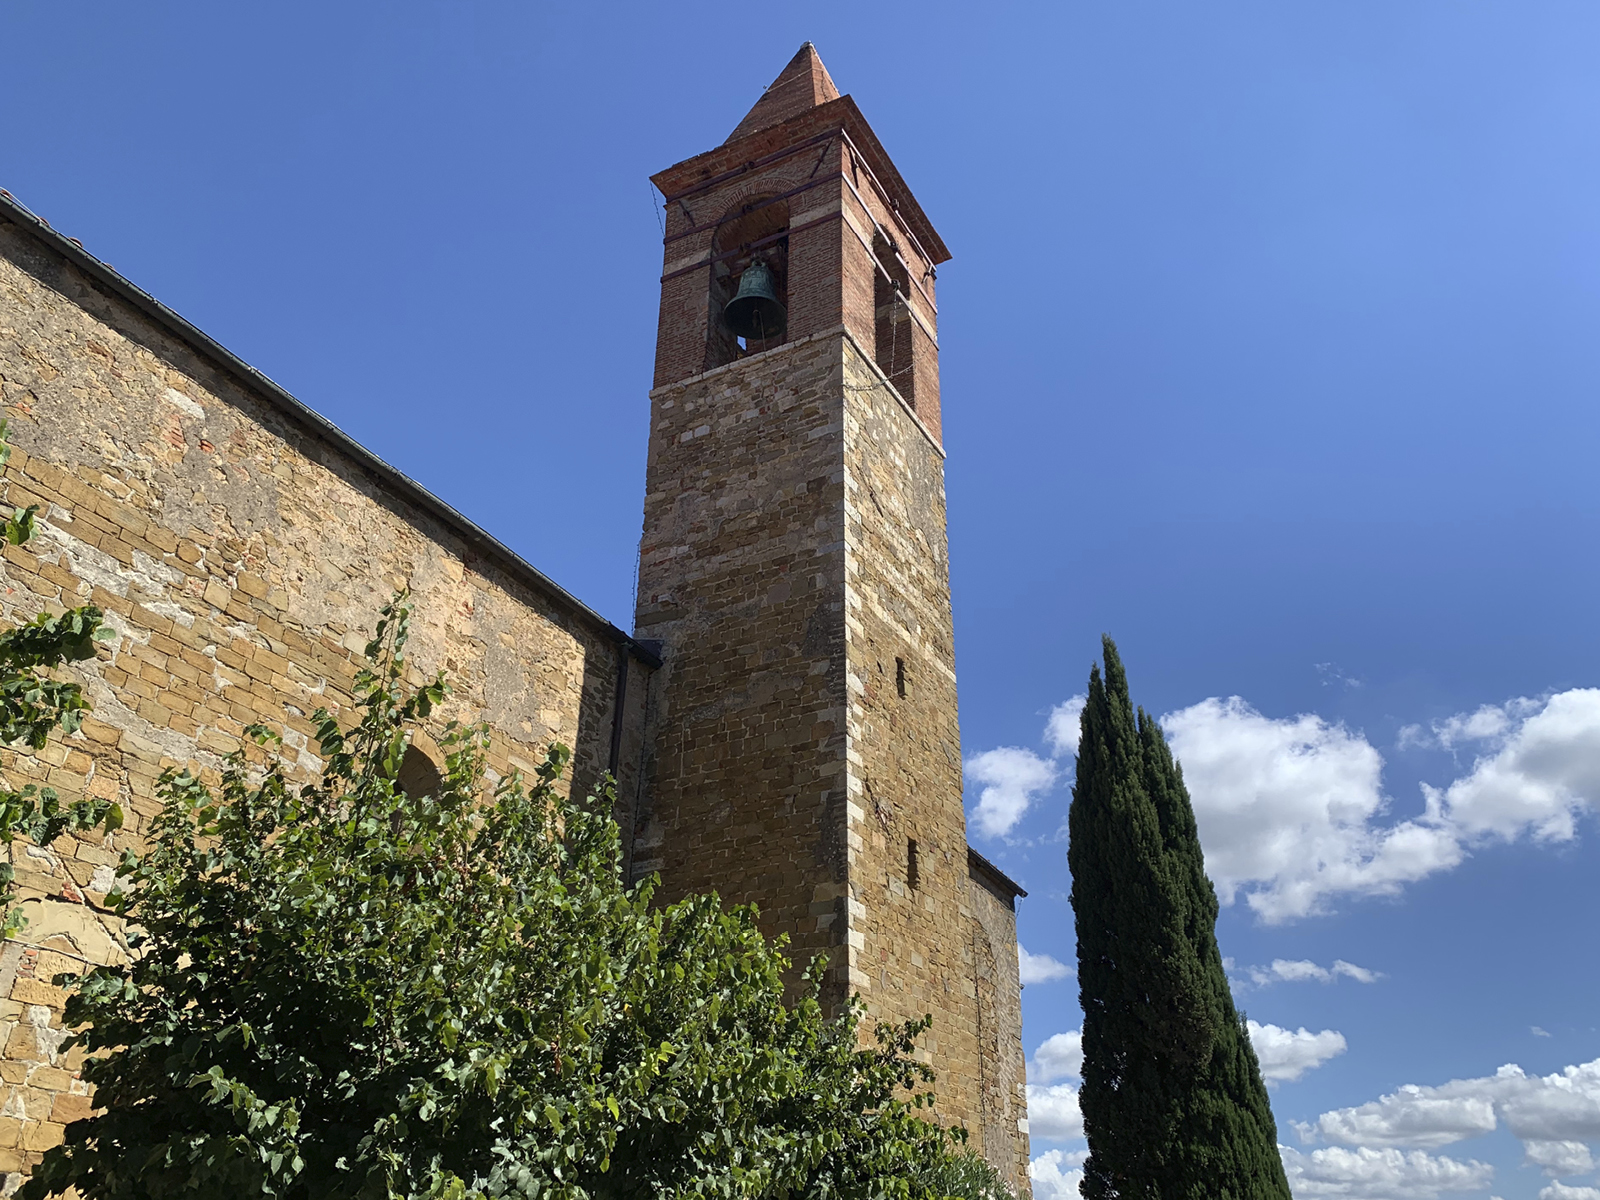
754 312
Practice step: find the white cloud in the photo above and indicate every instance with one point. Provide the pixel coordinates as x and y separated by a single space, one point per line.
1288 1054
1295 971
1548 1113
1292 812
1411 1116
1367 1174
1489 723
1560 1107
1056 1174
1537 1032
1040 968
1289 810
1332 673
1062 729
1059 1057
1413 735
1012 776
1541 774
1053 1112
1560 1191
1301 970
1559 1158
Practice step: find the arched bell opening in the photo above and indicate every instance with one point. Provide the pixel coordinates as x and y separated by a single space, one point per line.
895 329
750 270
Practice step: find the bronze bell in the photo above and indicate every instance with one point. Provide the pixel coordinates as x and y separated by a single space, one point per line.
754 312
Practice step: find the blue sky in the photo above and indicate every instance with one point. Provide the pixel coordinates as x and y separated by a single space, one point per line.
1268 347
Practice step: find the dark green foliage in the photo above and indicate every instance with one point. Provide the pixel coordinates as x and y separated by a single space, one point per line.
341 990
1172 1098
33 705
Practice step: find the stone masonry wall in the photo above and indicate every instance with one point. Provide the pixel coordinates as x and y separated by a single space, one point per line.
1001 1058
741 578
917 943
794 569
241 562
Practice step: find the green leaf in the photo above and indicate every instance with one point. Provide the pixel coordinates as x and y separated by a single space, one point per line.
19 526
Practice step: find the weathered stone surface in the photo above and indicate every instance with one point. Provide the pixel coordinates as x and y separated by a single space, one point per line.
794 568
932 938
741 578
241 559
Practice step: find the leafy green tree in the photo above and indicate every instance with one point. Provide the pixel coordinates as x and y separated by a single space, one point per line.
34 704
1172 1098
966 1175
341 990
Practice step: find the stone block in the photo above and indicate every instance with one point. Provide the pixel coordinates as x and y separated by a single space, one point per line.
69 1108
49 1079
20 1046
42 1135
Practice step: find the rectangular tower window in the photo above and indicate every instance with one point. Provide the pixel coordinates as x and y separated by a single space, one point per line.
900 677
913 875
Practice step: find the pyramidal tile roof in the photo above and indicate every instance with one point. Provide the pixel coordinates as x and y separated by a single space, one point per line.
799 87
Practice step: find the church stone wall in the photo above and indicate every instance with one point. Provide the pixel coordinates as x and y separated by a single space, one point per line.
1001 1073
799 739
241 560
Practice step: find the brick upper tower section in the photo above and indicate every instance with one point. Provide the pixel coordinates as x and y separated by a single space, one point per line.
804 184
806 755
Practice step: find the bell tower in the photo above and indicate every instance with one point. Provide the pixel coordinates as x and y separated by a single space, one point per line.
805 754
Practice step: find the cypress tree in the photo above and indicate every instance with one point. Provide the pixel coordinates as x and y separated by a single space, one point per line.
1172 1098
